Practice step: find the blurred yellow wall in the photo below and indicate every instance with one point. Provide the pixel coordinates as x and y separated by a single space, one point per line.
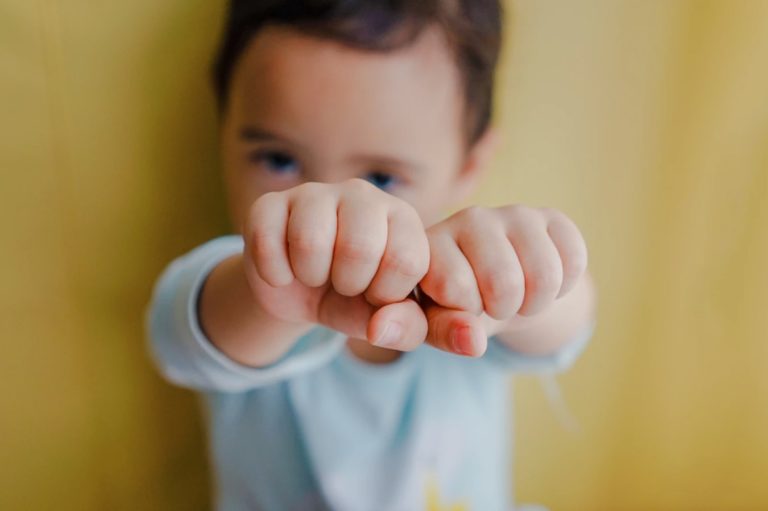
646 121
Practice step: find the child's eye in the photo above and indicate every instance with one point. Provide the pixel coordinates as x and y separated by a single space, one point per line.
276 161
383 180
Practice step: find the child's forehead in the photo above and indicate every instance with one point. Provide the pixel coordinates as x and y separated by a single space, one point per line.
290 59
325 88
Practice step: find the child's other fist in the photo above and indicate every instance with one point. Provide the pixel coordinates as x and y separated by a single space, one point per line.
504 261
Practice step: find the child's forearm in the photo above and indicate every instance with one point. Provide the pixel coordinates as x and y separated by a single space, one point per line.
237 325
547 332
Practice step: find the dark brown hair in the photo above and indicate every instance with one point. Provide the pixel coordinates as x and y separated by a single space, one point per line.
473 29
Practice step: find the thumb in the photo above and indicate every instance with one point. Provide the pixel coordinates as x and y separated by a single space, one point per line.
456 331
400 326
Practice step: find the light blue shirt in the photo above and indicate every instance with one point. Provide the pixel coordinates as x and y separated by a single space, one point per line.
323 430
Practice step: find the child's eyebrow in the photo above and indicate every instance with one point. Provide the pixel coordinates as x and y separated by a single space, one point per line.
388 162
254 134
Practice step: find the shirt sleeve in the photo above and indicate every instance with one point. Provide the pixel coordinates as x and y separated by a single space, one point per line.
503 357
185 356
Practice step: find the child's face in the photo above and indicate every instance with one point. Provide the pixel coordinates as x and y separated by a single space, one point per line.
308 109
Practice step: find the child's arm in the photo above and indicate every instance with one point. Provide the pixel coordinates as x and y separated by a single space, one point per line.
236 324
310 253
543 334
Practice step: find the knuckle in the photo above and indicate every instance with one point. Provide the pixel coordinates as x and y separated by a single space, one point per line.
438 231
408 264
406 216
361 251
544 278
269 200
404 207
501 284
454 291
515 210
358 186
475 214
559 224
307 241
502 294
554 214
516 215
309 189
262 208
264 247
258 209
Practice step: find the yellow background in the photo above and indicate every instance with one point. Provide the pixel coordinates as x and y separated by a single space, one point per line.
646 121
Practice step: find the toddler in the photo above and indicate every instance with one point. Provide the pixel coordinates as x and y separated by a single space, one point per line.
351 345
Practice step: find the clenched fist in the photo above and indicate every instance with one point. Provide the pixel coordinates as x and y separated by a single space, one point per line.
345 255
502 262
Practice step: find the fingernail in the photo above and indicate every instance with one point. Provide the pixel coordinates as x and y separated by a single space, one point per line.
390 335
461 340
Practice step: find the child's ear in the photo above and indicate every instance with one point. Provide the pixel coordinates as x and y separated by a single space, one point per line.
475 163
